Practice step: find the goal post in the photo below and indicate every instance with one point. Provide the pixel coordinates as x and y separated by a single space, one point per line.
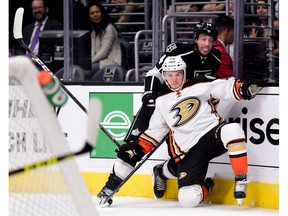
35 135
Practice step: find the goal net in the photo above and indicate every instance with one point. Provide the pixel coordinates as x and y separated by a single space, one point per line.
35 135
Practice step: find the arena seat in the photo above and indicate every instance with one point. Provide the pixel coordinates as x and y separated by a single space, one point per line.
110 73
78 74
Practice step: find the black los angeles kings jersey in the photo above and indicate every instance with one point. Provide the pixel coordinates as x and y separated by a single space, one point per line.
196 64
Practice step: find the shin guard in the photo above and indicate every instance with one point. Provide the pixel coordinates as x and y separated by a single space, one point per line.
233 139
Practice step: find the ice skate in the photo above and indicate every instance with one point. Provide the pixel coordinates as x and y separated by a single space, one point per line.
240 188
102 196
158 181
209 183
107 190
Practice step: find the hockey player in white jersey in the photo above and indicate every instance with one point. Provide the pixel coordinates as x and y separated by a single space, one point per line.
199 133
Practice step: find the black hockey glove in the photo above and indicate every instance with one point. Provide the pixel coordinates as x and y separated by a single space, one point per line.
148 99
249 89
130 152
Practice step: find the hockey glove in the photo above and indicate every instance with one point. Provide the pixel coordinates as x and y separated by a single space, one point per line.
148 99
130 152
249 89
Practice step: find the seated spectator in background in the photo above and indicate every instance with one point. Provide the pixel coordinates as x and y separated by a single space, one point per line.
261 28
189 21
276 28
231 9
214 7
189 7
247 19
126 9
42 22
225 27
105 44
261 21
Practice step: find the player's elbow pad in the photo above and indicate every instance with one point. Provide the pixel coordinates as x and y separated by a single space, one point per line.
152 83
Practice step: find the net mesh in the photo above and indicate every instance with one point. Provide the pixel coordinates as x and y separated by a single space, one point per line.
42 191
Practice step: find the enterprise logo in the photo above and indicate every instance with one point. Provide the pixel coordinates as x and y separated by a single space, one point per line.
116 120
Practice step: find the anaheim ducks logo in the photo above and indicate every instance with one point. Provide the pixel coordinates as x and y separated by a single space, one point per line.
185 109
182 175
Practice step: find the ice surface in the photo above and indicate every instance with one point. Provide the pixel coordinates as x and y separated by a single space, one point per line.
131 206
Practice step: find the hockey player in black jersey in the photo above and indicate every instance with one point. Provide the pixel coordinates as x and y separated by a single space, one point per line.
199 133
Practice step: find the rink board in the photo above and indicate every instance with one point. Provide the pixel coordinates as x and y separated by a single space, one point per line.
259 119
259 194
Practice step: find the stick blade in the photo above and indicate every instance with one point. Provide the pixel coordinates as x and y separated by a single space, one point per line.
94 116
18 20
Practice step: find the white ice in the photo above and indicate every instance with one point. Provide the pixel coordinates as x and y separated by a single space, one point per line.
131 206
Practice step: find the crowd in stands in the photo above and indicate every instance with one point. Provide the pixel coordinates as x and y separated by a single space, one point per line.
113 24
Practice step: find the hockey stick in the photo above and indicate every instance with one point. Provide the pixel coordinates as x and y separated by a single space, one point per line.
17 32
134 170
94 115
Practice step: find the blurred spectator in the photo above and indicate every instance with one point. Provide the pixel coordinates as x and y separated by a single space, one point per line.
276 29
276 9
126 9
261 24
231 9
188 22
189 7
225 27
31 31
214 7
105 44
247 19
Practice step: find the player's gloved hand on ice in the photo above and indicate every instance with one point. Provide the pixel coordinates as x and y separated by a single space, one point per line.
130 151
249 89
148 99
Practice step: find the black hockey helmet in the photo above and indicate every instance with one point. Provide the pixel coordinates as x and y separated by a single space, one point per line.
205 28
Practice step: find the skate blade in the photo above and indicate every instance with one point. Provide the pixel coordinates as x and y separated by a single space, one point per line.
240 202
105 205
102 203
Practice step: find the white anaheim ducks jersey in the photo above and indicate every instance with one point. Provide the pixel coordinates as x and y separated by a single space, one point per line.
191 114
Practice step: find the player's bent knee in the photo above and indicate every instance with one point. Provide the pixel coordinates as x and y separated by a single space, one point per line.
190 196
231 131
121 168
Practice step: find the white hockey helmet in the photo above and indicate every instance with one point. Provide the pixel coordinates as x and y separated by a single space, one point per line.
174 63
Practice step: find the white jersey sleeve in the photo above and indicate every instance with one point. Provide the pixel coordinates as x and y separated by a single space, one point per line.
225 89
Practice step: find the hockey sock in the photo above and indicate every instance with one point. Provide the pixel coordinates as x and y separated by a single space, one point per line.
167 171
238 156
205 192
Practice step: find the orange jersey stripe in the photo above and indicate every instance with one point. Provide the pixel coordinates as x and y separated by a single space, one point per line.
236 90
147 142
